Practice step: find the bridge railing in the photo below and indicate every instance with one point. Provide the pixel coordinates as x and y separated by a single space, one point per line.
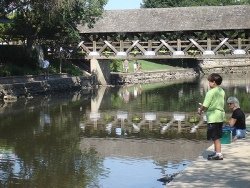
191 48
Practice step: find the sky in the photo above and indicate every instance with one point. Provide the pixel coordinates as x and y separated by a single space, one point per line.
123 4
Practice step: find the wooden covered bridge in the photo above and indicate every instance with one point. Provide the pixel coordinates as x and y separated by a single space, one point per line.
183 32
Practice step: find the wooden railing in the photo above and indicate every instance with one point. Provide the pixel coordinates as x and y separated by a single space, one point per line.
192 48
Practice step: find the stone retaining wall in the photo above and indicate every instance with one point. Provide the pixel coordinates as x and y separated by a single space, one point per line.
152 77
30 85
19 87
205 66
239 65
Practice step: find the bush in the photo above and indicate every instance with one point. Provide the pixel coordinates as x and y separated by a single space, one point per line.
116 65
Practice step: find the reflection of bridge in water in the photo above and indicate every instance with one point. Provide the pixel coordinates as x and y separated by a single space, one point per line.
127 122
124 123
230 80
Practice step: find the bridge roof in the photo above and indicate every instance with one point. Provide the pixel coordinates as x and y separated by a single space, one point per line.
172 19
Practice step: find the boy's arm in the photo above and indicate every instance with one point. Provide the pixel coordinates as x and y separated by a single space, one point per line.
201 109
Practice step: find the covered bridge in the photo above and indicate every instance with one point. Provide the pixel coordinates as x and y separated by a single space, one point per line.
183 32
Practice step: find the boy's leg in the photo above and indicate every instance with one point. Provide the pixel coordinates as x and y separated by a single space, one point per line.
216 134
210 137
217 146
218 155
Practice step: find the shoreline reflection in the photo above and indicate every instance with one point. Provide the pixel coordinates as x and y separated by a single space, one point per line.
88 138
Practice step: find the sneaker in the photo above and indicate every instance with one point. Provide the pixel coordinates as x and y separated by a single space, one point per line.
215 157
211 155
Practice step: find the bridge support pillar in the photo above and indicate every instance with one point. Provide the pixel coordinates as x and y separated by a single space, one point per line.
101 70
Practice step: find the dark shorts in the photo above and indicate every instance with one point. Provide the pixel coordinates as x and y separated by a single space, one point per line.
214 131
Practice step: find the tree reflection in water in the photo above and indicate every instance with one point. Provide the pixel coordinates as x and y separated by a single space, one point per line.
51 141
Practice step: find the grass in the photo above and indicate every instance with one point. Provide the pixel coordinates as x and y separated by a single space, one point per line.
14 69
149 66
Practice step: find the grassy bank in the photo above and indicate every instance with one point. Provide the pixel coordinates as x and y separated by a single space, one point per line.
145 66
22 67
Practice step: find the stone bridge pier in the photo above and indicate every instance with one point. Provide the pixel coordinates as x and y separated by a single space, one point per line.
100 71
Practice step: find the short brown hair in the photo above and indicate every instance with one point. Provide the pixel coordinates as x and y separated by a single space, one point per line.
214 77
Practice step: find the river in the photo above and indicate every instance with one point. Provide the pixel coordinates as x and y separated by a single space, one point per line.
130 136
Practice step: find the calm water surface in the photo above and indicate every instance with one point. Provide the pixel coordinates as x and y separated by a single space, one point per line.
116 137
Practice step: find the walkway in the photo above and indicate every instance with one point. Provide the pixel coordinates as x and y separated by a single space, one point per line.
232 172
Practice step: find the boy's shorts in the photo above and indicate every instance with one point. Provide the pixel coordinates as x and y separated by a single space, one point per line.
214 131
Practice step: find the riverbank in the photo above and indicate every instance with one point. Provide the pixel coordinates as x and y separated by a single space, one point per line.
27 86
203 67
17 86
233 171
144 77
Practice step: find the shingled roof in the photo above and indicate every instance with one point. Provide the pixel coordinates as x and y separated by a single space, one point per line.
172 19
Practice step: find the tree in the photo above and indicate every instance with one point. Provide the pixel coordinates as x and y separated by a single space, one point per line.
7 6
186 3
51 21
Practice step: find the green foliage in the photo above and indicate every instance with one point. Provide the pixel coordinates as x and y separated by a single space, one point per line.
17 70
2 32
108 118
145 66
52 23
187 3
15 60
116 65
6 6
4 71
12 69
193 119
164 120
151 66
72 70
67 67
136 118
48 23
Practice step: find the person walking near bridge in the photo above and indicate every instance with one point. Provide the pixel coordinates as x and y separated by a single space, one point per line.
135 66
45 66
125 65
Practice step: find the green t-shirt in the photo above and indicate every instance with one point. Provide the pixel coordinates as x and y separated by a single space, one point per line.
214 102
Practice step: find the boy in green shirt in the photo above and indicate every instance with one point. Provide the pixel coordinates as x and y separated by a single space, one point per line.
213 104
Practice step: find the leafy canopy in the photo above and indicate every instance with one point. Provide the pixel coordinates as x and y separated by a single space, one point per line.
187 3
55 20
